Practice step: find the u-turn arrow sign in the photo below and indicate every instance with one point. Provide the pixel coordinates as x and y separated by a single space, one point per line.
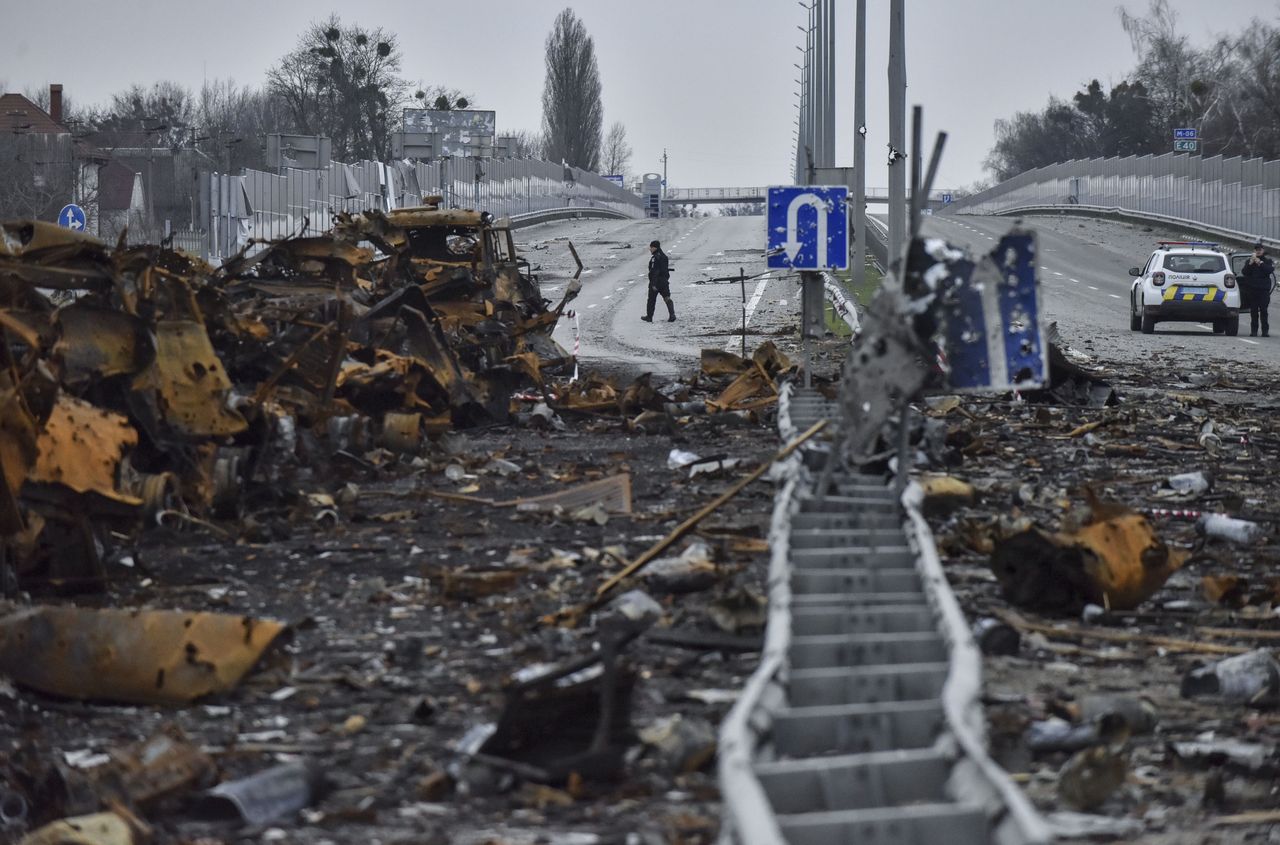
808 227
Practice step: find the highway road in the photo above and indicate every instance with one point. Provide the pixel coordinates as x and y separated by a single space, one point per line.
1083 270
1084 273
615 284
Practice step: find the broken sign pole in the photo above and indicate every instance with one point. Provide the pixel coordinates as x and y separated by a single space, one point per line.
742 281
917 141
684 527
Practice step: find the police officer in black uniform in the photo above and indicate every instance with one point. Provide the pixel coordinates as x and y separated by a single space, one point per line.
1255 283
659 283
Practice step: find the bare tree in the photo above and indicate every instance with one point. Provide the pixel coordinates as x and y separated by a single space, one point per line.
232 123
71 118
1251 124
526 144
343 82
37 176
441 98
1182 83
617 152
139 116
572 110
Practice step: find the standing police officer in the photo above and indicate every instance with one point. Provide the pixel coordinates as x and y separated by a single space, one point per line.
1255 283
659 283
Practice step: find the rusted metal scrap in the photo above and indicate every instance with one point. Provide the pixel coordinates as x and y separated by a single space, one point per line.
137 656
118 827
164 379
1115 561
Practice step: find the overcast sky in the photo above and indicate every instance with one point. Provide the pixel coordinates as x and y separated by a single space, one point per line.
709 81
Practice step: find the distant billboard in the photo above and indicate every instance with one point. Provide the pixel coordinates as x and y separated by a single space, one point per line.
459 132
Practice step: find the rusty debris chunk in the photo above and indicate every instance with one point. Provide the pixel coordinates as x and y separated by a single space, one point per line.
136 656
1116 561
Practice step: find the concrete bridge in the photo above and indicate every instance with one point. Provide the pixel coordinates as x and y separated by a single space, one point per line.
697 196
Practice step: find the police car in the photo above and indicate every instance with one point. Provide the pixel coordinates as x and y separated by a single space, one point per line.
1185 281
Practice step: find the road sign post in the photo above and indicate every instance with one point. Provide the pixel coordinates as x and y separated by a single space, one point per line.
73 217
808 230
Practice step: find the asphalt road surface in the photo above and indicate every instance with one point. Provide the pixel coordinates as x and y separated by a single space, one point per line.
615 284
1084 272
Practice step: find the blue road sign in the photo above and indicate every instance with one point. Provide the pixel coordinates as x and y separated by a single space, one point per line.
990 315
1185 134
947 198
808 227
72 217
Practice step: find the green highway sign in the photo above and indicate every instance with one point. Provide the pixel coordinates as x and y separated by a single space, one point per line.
1187 146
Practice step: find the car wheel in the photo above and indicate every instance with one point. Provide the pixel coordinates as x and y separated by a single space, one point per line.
1135 322
1232 326
1148 323
1219 326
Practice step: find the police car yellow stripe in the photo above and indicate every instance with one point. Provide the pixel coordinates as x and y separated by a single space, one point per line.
1175 293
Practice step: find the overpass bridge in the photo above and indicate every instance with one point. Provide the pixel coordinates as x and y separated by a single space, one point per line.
698 196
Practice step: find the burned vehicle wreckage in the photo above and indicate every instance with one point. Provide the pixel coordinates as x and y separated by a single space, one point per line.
141 383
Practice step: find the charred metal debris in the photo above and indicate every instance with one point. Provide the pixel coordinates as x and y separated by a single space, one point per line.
142 383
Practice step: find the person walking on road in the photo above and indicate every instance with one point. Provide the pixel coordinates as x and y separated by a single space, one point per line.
1255 284
659 283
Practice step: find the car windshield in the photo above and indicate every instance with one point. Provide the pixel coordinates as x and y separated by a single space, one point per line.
1194 263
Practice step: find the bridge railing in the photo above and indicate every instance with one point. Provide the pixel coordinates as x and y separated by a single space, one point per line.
726 194
758 193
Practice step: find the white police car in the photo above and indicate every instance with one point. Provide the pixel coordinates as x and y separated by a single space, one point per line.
1185 281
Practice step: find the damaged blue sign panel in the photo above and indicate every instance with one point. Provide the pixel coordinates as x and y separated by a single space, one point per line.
808 227
991 319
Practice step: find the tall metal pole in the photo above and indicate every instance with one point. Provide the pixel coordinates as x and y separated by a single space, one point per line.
860 147
829 142
820 72
897 129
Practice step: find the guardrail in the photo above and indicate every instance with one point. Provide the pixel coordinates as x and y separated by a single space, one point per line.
533 218
1243 239
835 295
761 191
863 719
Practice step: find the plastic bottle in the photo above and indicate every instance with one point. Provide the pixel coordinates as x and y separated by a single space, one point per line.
1222 527
1250 678
1191 483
